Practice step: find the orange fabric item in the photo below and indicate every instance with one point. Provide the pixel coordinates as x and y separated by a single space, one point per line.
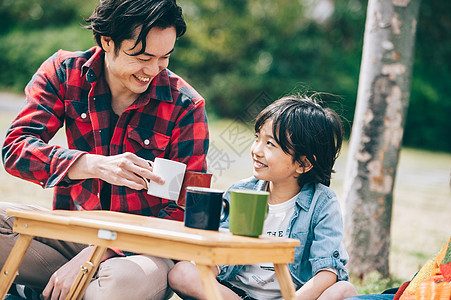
401 290
433 281
434 288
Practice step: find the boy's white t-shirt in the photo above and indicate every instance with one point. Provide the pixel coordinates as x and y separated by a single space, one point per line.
260 280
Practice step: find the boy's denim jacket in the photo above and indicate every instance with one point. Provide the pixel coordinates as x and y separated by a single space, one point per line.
316 222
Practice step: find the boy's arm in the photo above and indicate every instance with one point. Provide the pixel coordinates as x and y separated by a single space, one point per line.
313 288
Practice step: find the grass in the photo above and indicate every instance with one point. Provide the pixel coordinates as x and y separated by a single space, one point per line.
422 197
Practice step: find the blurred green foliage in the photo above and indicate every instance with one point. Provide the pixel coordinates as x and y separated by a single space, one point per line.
23 52
35 14
236 50
32 30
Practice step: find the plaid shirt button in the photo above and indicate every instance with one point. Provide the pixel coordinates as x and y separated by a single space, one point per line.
146 142
83 115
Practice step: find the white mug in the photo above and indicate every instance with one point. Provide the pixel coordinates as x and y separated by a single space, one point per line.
172 172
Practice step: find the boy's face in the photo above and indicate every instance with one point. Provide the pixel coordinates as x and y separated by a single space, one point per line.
270 162
129 76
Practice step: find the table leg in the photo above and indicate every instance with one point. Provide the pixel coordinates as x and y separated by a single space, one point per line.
88 269
209 282
9 270
285 281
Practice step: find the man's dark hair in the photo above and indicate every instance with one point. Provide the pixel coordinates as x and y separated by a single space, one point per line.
302 127
118 19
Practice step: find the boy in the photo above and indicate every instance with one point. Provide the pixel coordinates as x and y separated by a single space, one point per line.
297 142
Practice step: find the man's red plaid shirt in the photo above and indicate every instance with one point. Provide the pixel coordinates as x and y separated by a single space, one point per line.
70 90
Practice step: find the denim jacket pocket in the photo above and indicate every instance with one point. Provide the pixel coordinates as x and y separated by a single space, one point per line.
297 270
304 243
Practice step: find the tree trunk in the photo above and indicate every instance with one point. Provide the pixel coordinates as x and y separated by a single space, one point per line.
382 101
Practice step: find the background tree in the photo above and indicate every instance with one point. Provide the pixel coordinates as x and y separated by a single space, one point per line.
382 103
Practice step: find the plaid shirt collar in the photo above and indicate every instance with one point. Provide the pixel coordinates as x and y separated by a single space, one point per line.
159 88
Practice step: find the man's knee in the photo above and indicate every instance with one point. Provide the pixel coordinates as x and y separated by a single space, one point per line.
134 277
7 221
7 236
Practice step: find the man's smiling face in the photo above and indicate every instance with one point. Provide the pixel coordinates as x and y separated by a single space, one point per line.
129 75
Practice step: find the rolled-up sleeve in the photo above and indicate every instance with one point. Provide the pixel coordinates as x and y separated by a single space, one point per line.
327 250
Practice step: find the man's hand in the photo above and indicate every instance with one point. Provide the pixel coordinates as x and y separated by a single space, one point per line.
125 169
61 281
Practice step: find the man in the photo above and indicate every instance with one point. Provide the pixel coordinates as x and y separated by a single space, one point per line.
121 107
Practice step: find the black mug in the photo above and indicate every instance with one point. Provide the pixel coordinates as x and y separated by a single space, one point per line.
203 207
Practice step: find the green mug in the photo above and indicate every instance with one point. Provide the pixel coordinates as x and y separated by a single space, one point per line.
248 211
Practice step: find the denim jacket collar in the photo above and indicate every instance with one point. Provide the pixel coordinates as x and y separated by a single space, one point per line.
304 198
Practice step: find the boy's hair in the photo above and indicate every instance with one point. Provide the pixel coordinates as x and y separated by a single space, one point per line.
118 19
303 128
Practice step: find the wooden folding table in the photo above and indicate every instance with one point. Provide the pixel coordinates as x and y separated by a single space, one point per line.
147 235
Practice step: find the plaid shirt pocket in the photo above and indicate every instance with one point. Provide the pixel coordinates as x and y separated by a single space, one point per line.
146 143
79 125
